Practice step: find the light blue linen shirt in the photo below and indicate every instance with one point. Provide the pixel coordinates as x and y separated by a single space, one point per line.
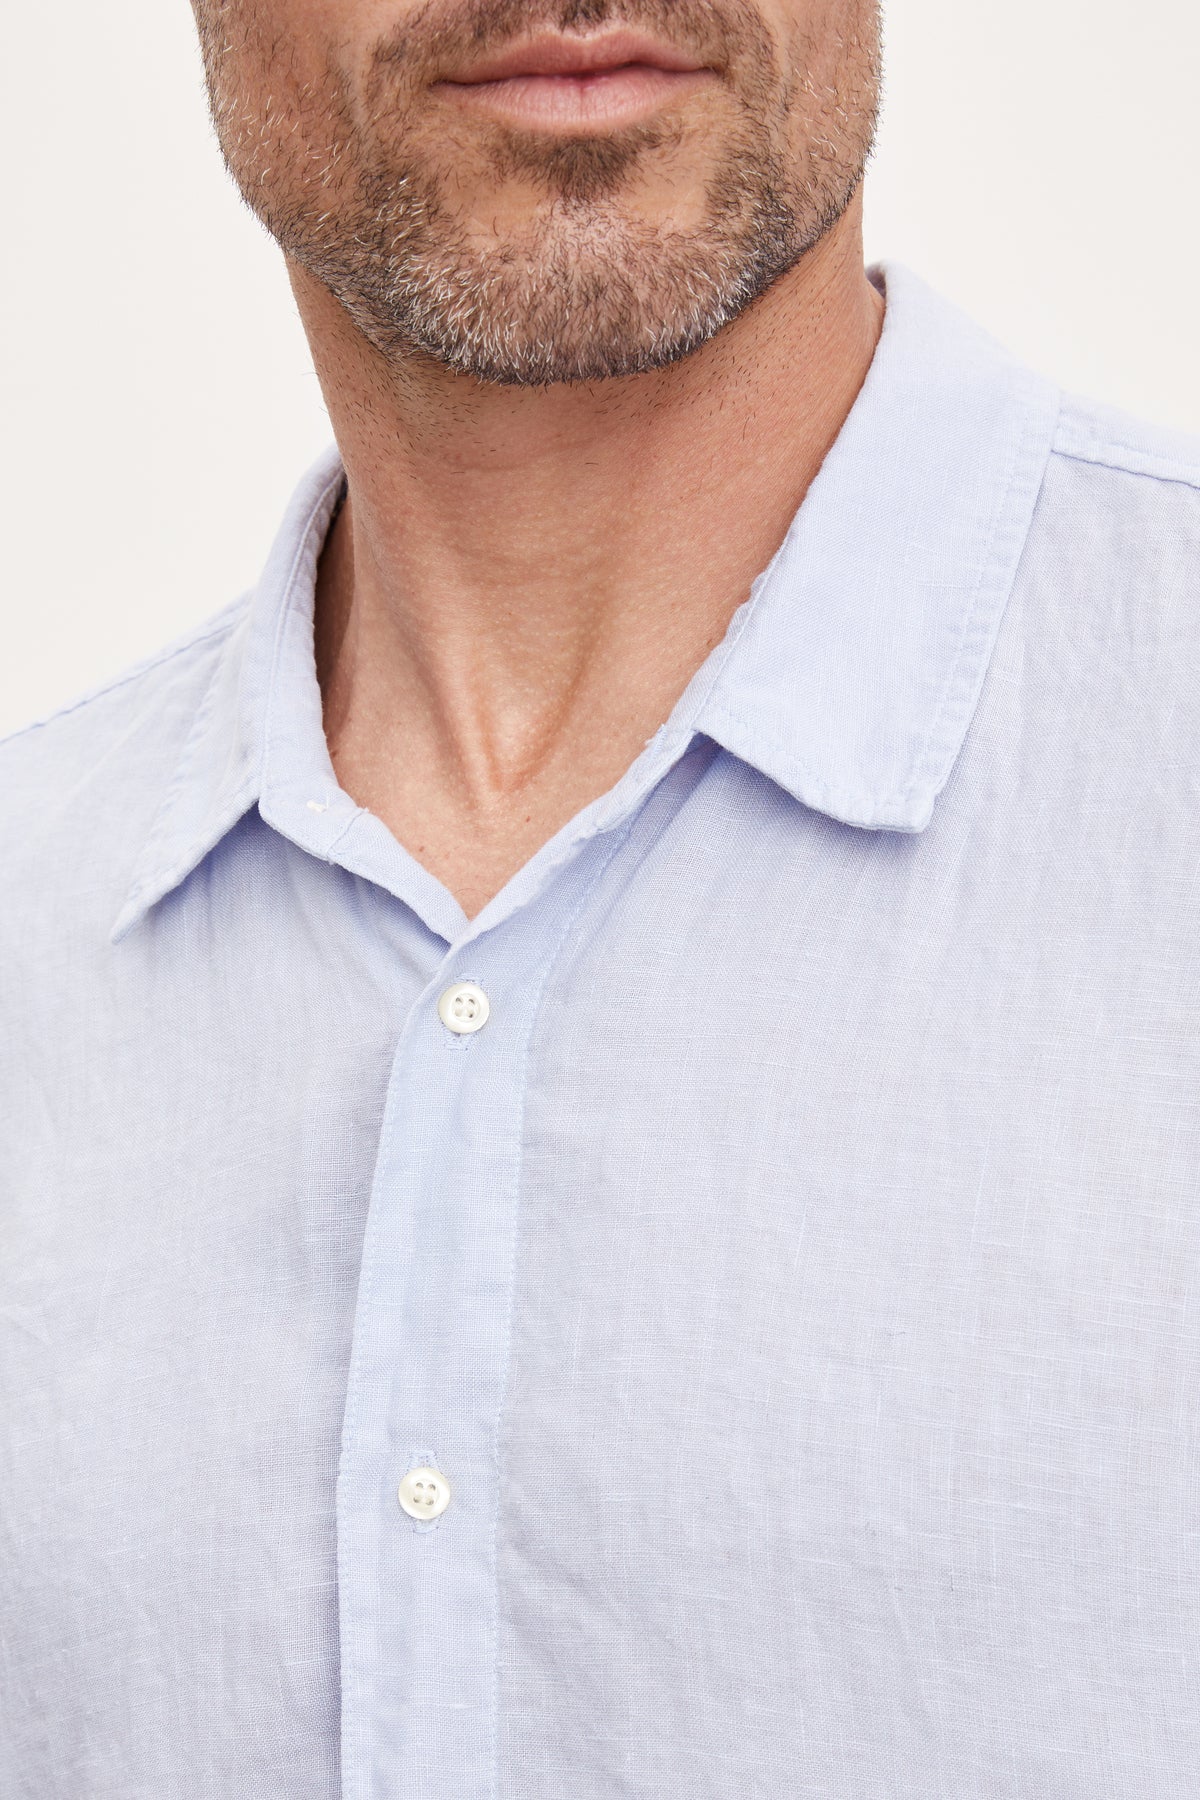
794 1283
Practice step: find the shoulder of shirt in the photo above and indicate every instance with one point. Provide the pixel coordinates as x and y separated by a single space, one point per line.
95 714
1108 438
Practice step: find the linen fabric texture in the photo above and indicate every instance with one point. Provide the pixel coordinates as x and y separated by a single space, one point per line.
795 1280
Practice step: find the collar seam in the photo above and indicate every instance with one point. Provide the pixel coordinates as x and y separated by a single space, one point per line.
157 836
825 797
285 614
971 655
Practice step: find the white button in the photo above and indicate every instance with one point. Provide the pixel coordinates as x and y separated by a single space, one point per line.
424 1493
464 1007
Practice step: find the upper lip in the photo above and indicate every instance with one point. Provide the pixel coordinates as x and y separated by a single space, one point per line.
559 54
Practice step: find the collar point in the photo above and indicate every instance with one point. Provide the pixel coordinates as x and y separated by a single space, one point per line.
907 815
134 910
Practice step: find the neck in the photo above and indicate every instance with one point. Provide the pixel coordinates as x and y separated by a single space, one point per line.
522 582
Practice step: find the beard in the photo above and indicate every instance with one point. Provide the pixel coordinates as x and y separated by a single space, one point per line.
346 176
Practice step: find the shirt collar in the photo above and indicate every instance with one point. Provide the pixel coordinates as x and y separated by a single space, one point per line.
849 676
862 656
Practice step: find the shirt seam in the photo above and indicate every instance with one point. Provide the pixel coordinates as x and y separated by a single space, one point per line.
285 613
223 625
156 837
982 622
1105 455
972 639
620 838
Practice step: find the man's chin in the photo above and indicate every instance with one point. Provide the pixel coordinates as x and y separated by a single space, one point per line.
561 325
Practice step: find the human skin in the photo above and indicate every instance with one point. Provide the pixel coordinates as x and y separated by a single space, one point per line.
531 564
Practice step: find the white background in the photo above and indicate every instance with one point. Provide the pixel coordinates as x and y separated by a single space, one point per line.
1037 163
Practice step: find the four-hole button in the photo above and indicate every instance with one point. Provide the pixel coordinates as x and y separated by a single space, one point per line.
463 1007
424 1493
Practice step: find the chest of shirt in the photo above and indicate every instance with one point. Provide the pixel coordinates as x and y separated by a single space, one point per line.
791 1277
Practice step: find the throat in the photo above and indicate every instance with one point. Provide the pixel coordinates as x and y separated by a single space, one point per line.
474 850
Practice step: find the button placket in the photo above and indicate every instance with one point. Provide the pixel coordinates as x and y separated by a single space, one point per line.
417 1492
429 1371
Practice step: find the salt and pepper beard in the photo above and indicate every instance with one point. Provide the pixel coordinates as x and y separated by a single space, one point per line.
585 291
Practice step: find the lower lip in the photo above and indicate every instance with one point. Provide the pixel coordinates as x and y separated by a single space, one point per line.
599 99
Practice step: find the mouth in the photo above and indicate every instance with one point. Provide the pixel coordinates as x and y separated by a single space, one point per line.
556 82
